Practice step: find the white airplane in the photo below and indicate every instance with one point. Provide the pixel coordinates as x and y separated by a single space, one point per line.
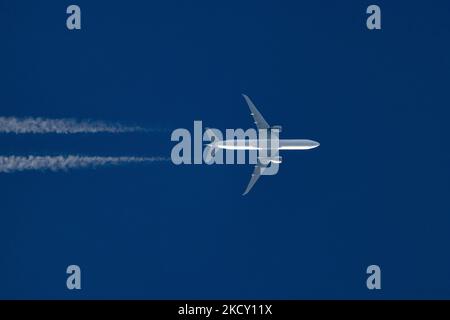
267 146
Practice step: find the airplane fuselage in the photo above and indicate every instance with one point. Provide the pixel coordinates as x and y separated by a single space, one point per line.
256 144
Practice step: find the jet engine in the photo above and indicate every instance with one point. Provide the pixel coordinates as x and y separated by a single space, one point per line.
267 160
279 128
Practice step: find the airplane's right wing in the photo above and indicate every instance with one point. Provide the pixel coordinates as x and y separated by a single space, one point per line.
257 117
261 124
255 176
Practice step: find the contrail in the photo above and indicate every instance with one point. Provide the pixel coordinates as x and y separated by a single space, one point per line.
10 164
62 126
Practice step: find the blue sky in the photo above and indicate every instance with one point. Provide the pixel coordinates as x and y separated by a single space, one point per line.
375 191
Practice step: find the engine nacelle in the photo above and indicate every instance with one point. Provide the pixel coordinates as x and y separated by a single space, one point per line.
278 128
267 160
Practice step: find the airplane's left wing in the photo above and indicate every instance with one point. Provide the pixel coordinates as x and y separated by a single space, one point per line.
260 122
255 176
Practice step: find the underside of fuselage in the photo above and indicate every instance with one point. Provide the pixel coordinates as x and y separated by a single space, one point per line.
254 144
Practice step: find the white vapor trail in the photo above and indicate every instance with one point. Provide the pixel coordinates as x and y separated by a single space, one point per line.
10 164
61 126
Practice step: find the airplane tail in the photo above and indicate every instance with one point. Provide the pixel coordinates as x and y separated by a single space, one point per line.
210 149
210 152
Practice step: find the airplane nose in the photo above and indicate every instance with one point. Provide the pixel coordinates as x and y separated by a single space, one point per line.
316 144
